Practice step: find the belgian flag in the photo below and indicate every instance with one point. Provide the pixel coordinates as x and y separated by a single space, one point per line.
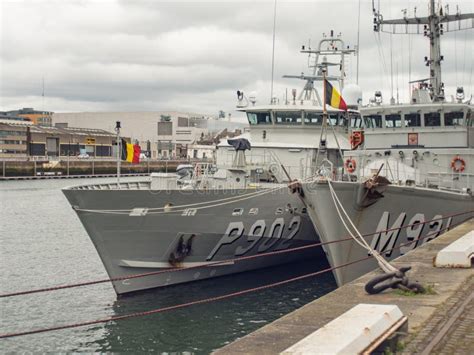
333 98
130 152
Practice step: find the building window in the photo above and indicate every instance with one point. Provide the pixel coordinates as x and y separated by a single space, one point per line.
313 118
432 119
393 121
373 121
103 151
453 118
259 118
165 128
412 120
38 149
288 117
183 122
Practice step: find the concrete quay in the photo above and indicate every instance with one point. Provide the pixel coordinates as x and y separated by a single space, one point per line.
440 321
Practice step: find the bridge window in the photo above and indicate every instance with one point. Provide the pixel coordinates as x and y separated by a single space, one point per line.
453 118
313 118
469 119
341 120
356 122
412 120
288 117
259 118
393 121
432 119
374 121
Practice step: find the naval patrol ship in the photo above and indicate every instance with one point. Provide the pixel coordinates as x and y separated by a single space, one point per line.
197 223
410 173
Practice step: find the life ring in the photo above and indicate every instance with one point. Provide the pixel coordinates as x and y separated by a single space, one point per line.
350 165
274 169
458 164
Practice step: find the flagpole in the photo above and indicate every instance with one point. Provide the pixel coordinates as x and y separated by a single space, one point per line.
324 92
325 111
323 124
119 149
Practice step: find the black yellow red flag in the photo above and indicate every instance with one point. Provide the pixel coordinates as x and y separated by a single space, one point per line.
333 98
130 152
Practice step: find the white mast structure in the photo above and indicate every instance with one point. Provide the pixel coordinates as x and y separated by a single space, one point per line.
433 28
328 46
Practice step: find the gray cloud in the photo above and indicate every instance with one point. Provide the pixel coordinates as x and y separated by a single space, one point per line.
193 55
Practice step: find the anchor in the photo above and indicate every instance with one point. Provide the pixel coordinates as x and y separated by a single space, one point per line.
181 251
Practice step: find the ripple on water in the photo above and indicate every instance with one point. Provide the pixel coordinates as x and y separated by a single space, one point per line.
42 243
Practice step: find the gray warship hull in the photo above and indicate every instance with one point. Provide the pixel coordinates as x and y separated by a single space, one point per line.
400 206
134 234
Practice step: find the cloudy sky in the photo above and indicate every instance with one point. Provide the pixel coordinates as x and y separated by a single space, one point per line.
133 55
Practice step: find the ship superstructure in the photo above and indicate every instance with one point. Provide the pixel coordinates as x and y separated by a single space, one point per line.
410 165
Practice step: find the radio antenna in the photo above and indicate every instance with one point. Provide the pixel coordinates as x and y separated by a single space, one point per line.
273 50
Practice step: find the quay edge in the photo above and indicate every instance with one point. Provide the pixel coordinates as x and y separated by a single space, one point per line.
425 313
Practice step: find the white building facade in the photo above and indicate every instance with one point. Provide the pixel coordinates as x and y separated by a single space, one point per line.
165 134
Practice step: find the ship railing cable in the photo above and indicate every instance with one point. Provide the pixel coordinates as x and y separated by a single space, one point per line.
181 208
226 261
201 301
197 206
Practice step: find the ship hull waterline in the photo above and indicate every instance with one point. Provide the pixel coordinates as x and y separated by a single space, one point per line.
399 207
222 225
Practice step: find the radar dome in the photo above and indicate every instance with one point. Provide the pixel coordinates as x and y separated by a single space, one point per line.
253 97
352 95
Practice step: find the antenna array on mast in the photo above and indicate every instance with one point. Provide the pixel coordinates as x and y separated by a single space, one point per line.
432 26
330 45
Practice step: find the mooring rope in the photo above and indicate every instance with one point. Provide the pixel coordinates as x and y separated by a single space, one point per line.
384 264
177 269
202 301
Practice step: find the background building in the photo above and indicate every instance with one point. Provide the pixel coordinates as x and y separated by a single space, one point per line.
42 118
160 134
13 136
67 141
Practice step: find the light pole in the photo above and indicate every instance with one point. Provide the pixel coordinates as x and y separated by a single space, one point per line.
117 129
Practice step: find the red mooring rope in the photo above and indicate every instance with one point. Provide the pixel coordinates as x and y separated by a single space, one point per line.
207 300
95 282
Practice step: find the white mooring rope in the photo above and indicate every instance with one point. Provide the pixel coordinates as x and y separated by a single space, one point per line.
359 239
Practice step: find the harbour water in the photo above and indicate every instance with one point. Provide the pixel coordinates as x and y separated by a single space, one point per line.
42 243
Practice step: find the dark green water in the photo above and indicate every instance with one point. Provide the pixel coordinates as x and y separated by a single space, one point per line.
42 243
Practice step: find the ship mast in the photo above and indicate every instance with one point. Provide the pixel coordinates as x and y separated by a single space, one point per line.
433 28
330 45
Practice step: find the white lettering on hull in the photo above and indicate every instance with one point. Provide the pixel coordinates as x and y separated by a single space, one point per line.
386 236
419 232
276 238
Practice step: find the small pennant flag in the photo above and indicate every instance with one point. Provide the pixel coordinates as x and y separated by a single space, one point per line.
130 152
333 98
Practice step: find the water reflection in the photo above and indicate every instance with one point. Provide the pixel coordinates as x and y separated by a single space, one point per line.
203 328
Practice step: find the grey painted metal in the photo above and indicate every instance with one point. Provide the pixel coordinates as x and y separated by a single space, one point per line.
143 242
400 206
